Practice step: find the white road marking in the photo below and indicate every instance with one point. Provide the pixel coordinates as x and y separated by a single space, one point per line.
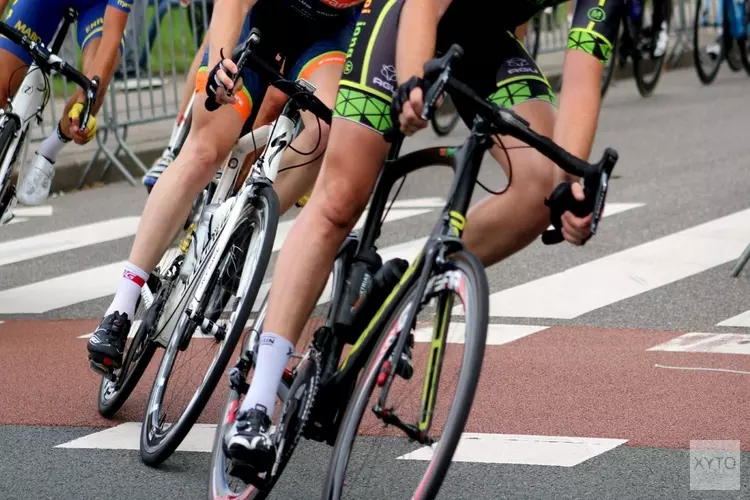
496 334
40 211
702 369
127 437
66 239
741 320
62 291
625 274
518 449
720 343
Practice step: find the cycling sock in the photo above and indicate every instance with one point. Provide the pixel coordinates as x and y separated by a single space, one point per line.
273 355
133 278
53 144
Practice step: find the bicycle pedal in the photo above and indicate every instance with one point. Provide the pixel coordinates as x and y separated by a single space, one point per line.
103 369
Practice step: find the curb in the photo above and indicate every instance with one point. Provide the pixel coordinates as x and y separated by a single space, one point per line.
68 175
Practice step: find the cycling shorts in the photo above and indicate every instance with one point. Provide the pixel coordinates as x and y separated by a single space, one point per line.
495 63
39 20
295 45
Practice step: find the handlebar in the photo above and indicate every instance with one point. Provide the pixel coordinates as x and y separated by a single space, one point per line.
302 95
437 78
51 63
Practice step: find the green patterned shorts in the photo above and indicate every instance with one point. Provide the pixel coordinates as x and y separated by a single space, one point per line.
495 64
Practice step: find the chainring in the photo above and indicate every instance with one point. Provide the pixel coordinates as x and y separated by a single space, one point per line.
296 409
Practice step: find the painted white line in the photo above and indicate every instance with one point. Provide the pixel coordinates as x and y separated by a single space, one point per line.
518 449
66 239
741 320
16 220
496 334
612 208
127 437
702 369
40 211
720 343
625 274
63 291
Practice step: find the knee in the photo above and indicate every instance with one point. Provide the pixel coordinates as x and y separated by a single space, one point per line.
200 159
341 198
315 136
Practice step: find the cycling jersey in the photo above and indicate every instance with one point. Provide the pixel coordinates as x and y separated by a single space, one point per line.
298 36
39 20
495 64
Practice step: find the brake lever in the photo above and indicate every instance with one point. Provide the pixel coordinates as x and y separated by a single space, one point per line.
436 89
91 94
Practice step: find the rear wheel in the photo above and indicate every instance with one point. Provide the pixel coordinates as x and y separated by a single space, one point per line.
248 251
463 279
647 68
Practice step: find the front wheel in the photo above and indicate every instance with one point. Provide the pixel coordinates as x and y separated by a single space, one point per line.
647 68
197 354
464 279
709 42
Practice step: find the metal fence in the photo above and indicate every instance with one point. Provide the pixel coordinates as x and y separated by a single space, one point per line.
163 37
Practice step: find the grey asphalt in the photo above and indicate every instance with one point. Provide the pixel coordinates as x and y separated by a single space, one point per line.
684 152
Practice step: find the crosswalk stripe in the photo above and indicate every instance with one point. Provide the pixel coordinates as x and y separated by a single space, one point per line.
558 451
126 436
741 320
624 274
62 291
66 239
496 334
24 214
719 343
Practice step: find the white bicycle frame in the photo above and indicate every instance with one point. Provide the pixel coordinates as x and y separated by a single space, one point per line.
25 105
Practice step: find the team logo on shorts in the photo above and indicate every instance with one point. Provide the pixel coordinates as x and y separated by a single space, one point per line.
517 62
597 14
389 72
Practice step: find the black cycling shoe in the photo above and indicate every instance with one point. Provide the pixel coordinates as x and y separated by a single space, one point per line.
107 344
250 441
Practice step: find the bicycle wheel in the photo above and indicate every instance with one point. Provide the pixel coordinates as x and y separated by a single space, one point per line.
742 41
140 348
609 69
8 130
646 68
734 59
708 25
465 279
446 117
239 275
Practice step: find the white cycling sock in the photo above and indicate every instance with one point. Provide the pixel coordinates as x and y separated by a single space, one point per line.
52 145
133 278
273 355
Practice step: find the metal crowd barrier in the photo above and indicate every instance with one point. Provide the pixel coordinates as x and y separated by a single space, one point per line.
162 39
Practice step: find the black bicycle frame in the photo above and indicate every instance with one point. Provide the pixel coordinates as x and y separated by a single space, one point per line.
465 160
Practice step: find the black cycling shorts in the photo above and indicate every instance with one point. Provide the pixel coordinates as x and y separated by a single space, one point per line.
495 63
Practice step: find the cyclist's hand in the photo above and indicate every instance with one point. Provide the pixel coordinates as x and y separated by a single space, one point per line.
577 230
407 106
81 136
220 82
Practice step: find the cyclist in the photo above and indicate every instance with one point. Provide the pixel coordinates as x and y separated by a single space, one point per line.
495 64
101 24
312 37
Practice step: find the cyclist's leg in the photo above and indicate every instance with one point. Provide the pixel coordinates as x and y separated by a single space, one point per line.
211 138
338 198
322 68
517 216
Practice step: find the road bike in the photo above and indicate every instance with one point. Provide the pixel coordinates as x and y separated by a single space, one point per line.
726 23
638 40
31 99
378 309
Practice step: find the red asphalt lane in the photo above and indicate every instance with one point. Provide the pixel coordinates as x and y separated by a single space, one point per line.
563 381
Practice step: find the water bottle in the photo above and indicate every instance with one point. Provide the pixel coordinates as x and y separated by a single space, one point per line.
211 221
360 281
383 283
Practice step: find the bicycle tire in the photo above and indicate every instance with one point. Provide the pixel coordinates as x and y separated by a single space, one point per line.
645 87
743 41
734 59
609 70
705 76
443 130
476 320
155 449
7 133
